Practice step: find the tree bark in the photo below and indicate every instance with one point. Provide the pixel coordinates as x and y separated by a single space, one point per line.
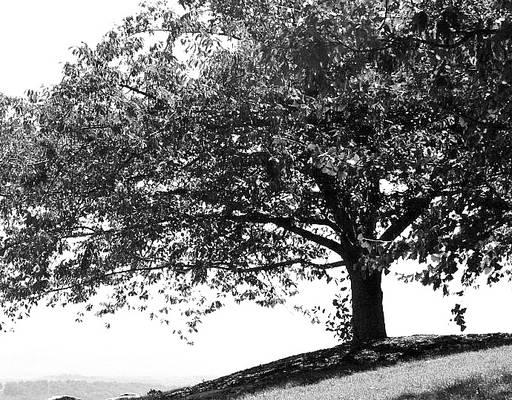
367 311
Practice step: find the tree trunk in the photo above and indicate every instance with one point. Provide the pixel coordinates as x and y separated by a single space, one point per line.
367 311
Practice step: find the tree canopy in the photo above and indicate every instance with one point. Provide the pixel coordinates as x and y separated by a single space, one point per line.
233 149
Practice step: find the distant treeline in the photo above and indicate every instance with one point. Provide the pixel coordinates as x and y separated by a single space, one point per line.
43 389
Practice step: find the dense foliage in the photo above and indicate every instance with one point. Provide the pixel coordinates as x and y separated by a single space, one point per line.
241 148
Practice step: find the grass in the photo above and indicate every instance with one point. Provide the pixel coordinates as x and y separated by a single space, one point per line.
396 368
485 374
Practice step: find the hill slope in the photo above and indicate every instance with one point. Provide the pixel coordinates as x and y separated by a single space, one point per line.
334 362
473 375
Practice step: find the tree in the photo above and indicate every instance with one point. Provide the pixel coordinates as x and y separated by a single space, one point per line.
292 138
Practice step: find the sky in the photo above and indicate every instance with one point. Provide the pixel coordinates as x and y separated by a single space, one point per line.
35 37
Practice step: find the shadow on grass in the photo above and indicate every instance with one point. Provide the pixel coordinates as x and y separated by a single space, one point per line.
469 389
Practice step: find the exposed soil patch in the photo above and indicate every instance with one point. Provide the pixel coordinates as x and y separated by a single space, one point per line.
337 361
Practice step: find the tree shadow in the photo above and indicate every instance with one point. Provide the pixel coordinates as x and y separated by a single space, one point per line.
476 388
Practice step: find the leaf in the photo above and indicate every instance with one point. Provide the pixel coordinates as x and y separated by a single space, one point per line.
443 30
420 22
353 160
313 148
342 175
436 258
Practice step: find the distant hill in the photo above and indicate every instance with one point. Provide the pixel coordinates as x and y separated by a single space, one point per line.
174 381
83 389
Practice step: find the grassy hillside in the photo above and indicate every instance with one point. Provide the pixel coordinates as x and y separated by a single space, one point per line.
485 374
395 368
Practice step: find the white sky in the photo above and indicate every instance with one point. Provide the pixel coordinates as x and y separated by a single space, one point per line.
35 37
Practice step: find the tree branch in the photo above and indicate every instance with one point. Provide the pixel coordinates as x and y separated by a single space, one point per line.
467 36
344 224
188 32
138 91
287 223
184 268
270 267
413 209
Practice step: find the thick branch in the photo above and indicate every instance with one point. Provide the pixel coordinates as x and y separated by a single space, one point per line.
413 209
287 223
273 266
183 268
343 221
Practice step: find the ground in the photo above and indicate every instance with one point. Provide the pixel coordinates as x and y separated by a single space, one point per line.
337 361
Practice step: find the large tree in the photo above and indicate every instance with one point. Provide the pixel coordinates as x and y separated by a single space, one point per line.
235 148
